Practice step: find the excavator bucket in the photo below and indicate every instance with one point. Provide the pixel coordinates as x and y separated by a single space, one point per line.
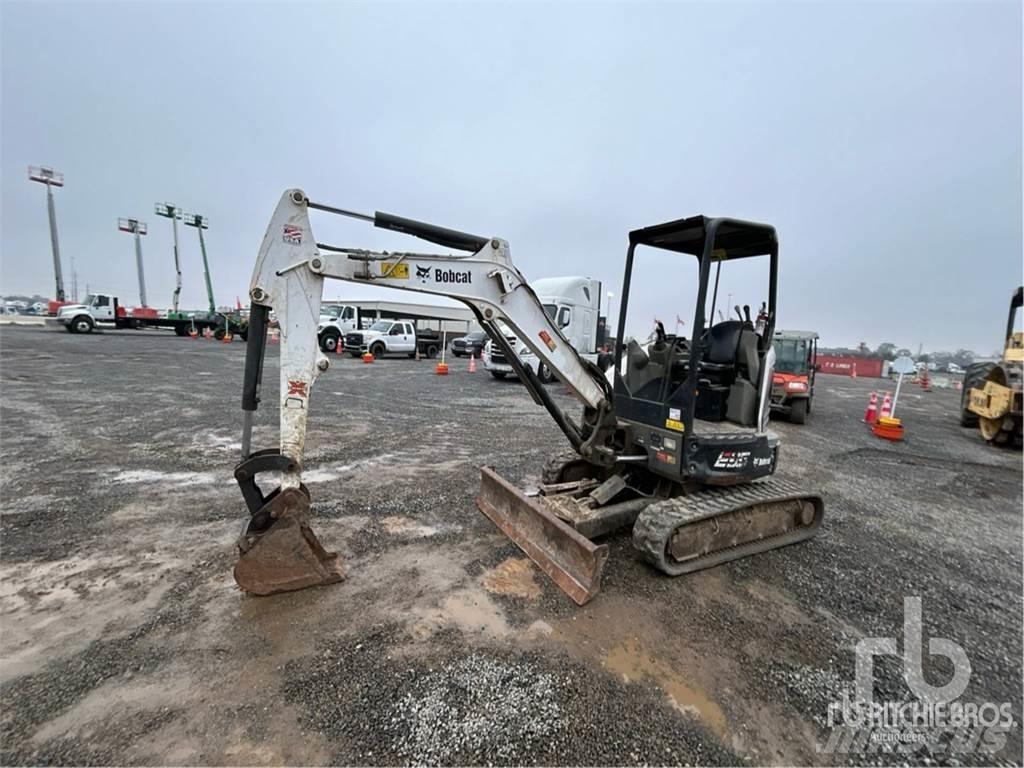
285 555
570 559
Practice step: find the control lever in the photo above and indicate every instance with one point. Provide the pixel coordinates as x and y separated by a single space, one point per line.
746 311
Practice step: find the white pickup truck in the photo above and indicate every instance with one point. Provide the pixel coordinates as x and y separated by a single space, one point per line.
574 304
391 337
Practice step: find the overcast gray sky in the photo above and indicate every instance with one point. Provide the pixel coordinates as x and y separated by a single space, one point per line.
883 141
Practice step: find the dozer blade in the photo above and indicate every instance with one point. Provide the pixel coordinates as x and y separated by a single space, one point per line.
569 559
286 555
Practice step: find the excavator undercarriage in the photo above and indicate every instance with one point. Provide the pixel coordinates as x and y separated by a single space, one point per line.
694 497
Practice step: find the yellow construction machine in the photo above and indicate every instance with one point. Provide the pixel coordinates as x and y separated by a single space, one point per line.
992 394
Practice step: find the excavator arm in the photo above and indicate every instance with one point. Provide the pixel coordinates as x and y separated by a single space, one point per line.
279 551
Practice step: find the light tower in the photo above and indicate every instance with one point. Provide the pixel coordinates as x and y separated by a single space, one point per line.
51 179
201 223
137 228
173 213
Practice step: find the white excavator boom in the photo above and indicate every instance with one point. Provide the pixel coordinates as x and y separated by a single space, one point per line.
289 277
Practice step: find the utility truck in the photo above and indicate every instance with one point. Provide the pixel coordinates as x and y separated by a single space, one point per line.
393 337
573 304
338 321
103 311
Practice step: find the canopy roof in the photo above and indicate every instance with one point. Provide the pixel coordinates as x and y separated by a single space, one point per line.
734 239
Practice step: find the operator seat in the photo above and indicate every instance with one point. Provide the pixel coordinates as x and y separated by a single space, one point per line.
718 370
719 361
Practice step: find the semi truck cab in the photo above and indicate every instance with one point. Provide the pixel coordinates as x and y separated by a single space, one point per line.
574 305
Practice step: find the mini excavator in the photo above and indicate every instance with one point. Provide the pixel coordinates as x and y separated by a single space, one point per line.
672 439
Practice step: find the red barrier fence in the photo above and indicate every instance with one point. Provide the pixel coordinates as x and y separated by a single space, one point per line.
845 366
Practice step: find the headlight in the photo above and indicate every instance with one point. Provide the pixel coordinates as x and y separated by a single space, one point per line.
797 386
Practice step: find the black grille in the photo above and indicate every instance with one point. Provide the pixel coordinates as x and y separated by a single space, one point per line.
354 340
497 355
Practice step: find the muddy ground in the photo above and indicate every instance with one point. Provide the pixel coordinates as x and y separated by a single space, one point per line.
124 639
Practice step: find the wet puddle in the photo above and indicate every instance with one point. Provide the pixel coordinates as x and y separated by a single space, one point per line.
634 662
513 577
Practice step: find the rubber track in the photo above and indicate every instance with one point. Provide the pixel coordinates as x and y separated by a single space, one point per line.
657 523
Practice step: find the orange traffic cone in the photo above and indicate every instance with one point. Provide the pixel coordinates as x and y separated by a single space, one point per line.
339 346
886 407
367 357
441 369
472 363
872 412
227 337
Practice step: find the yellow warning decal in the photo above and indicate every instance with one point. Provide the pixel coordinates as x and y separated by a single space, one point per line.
674 424
396 270
719 254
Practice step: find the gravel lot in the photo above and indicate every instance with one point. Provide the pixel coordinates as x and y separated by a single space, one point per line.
124 639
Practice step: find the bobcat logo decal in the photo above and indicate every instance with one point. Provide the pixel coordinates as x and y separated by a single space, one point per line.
422 273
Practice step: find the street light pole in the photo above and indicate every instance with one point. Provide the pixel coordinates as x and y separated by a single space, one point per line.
201 223
138 228
51 179
173 213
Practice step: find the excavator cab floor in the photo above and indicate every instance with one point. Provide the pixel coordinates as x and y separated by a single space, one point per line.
287 554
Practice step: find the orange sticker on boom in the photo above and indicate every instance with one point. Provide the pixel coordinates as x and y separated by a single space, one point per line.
546 338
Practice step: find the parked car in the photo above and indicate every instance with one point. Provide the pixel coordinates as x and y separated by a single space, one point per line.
470 345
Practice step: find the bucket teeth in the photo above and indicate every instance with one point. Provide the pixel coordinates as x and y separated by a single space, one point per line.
287 555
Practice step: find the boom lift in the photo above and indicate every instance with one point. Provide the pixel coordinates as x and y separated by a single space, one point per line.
670 441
